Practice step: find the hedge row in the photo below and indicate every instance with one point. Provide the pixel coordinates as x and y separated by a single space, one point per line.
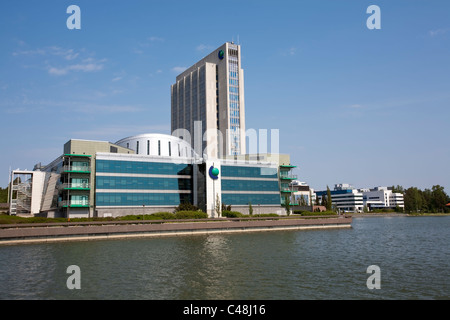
236 214
309 213
168 216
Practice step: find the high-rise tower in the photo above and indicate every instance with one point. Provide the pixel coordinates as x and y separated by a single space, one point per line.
208 102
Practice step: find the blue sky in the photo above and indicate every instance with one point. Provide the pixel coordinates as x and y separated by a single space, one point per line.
353 105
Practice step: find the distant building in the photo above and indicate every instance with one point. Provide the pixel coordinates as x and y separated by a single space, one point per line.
382 198
344 197
303 194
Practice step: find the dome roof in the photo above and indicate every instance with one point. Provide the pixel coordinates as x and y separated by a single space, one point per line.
158 144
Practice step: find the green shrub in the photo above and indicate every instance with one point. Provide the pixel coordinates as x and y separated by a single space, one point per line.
186 207
163 216
190 215
264 215
323 213
232 214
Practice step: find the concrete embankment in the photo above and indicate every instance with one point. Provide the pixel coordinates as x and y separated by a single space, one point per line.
79 231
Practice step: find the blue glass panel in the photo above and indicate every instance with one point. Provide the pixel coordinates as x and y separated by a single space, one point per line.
140 199
254 199
249 172
115 166
249 185
143 183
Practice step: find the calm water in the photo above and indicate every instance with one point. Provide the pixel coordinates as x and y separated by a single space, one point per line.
412 252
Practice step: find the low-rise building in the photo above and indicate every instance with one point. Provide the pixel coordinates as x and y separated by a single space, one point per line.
344 198
146 174
380 198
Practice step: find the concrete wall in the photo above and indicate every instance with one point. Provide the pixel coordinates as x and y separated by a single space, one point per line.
125 211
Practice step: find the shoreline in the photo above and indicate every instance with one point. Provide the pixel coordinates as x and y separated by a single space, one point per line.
63 232
394 214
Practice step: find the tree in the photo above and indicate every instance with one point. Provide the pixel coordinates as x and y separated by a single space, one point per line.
3 195
328 205
302 201
287 205
433 200
250 208
324 201
413 199
439 198
398 189
218 206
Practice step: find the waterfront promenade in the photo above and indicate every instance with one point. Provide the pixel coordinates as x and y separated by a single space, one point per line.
96 230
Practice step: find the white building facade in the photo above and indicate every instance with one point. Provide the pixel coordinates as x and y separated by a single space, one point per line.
382 198
207 104
344 197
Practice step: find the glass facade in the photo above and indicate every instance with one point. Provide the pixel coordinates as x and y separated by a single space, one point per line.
140 183
249 185
234 101
115 166
249 172
254 199
147 199
238 187
145 188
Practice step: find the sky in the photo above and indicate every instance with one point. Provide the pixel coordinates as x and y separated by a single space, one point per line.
368 107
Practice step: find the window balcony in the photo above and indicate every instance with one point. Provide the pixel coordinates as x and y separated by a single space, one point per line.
286 176
286 189
74 203
75 186
76 169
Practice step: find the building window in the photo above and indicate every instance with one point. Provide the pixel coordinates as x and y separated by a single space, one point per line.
148 147
137 147
170 150
159 147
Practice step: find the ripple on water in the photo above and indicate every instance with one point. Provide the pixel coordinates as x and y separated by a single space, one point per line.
412 254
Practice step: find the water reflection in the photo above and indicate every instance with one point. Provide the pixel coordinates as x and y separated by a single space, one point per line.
330 264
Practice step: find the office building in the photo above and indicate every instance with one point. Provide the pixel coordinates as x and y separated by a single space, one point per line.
150 173
207 104
382 198
303 194
344 197
146 173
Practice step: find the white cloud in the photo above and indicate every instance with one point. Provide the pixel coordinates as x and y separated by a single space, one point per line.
58 65
99 108
178 69
87 65
119 131
155 39
289 52
437 32
204 47
356 106
56 71
116 79
68 54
